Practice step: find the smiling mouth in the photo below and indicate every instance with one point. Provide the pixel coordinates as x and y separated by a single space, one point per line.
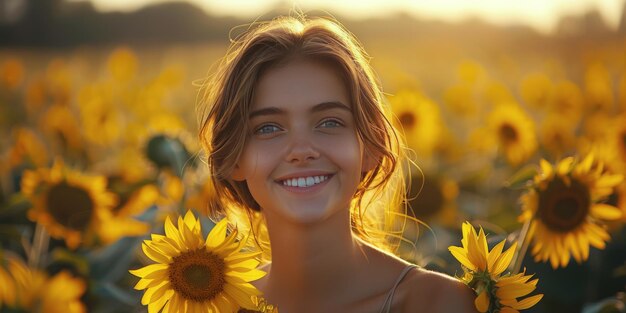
303 182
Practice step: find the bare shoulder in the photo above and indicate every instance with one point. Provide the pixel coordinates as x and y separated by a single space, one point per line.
428 291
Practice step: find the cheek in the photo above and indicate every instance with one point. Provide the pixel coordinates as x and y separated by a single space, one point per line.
256 160
346 152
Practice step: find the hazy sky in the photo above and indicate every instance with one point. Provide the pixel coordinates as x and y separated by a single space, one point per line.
541 14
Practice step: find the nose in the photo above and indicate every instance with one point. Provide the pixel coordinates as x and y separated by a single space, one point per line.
301 150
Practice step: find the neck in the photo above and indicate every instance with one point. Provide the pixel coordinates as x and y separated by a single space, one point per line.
312 263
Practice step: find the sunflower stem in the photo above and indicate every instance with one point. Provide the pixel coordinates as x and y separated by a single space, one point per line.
523 243
40 245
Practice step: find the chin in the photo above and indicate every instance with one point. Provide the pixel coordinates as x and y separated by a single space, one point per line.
308 214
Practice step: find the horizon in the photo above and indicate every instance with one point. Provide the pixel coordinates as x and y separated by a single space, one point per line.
540 15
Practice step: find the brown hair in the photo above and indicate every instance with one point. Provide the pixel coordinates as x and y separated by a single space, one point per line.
227 99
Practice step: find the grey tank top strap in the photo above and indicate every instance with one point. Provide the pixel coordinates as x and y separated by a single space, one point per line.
389 299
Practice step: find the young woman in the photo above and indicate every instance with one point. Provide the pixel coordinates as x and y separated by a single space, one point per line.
294 126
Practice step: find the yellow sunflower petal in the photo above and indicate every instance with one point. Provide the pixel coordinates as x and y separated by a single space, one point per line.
546 168
609 181
502 263
190 219
564 166
217 234
494 254
466 233
165 246
247 275
242 256
605 211
482 244
147 296
171 231
243 298
583 244
155 255
143 284
528 302
191 240
482 302
158 275
513 291
475 255
146 270
461 255
156 306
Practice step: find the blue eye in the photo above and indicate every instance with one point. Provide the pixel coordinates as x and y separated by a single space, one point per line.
267 129
331 123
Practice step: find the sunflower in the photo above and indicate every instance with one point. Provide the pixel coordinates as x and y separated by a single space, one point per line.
617 138
69 204
27 148
460 99
566 101
557 135
122 64
35 291
164 141
11 73
36 96
483 272
59 81
197 275
101 120
564 209
598 87
7 288
496 92
420 120
513 131
471 72
60 124
536 90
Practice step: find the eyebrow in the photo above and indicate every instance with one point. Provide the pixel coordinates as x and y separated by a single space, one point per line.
317 108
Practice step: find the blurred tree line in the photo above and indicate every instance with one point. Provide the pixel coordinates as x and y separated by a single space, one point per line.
61 23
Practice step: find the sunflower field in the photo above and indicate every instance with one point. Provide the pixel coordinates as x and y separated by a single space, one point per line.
525 139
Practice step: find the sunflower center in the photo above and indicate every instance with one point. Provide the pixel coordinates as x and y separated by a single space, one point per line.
508 133
407 119
563 208
70 206
197 275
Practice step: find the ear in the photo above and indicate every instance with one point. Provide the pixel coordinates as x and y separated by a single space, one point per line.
237 174
370 160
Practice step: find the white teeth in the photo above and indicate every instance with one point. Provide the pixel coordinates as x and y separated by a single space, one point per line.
304 181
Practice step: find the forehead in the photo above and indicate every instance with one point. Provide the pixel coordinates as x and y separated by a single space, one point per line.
300 82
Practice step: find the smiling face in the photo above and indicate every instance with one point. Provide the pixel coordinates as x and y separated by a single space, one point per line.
302 159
